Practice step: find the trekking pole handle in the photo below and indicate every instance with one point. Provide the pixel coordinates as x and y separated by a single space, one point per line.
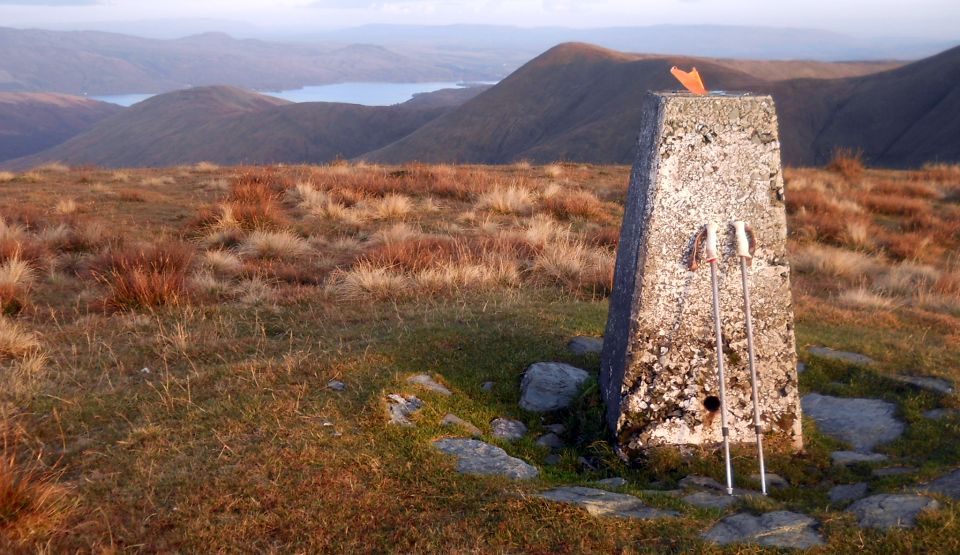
711 249
743 242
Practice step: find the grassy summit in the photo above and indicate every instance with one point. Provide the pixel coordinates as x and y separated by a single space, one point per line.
168 336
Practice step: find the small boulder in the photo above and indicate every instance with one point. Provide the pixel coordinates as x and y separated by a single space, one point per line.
863 423
774 529
888 510
401 408
948 484
477 457
847 492
549 386
429 384
456 421
584 345
336 385
605 503
555 428
487 387
506 429
551 441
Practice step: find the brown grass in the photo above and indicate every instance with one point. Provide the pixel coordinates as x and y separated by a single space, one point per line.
32 503
153 275
575 204
847 162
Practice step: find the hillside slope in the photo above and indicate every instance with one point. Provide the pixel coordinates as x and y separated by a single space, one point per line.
31 122
227 125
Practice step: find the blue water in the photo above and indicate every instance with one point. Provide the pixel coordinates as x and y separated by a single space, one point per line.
369 94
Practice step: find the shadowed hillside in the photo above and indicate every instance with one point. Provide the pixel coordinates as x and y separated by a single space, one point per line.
31 122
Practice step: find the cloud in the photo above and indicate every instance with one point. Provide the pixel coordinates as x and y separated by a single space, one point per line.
50 2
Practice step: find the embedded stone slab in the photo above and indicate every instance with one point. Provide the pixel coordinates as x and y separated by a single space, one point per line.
893 471
401 408
428 383
600 502
844 356
888 510
701 159
507 429
455 421
939 414
707 483
863 423
615 482
774 481
774 529
336 385
550 386
930 383
847 492
707 500
948 484
551 441
477 457
585 345
844 458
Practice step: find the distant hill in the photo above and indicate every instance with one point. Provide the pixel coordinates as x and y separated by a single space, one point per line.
580 102
229 125
107 63
31 122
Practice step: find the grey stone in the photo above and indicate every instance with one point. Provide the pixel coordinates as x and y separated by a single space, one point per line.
665 492
801 367
888 510
893 471
948 484
847 492
430 384
552 459
583 345
549 386
604 503
773 480
551 441
845 356
477 457
939 414
454 420
506 429
401 408
844 458
863 423
700 482
487 386
707 500
615 482
555 428
700 159
336 385
930 383
774 529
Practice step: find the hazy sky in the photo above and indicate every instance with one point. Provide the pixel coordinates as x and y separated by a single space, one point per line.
939 19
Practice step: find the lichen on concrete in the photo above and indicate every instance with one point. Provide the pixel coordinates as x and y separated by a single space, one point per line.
700 160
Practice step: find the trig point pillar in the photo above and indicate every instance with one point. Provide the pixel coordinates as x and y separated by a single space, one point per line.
702 159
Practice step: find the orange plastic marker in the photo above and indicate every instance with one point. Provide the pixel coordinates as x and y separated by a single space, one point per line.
691 80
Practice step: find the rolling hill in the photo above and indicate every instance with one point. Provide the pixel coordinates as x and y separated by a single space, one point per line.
31 122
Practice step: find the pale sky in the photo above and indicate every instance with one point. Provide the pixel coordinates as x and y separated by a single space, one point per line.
934 19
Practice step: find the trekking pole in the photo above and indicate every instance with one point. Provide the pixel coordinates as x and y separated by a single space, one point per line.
713 258
743 252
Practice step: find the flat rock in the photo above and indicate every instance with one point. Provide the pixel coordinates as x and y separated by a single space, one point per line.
863 423
948 484
845 356
555 428
775 529
707 500
428 383
848 492
477 457
605 503
700 482
773 480
801 367
843 458
930 383
584 345
552 459
939 414
888 510
893 471
551 441
507 429
549 386
487 386
615 482
456 421
336 385
401 408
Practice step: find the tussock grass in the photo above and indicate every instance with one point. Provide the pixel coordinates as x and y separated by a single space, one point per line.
149 276
6 177
158 181
206 167
31 500
52 167
66 206
274 244
15 342
847 162
368 282
511 199
575 204
815 259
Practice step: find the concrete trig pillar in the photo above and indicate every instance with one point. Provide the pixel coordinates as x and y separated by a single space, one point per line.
701 159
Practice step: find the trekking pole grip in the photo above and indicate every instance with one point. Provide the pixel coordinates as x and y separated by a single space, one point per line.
711 249
743 242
